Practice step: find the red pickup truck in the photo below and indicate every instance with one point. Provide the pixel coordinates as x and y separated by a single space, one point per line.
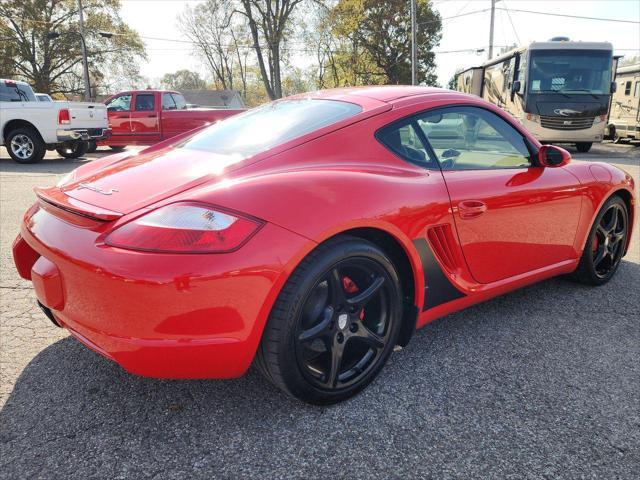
145 117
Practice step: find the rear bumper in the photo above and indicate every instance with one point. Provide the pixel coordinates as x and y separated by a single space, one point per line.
163 316
72 134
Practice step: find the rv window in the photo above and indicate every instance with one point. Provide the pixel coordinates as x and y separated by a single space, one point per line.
636 90
627 88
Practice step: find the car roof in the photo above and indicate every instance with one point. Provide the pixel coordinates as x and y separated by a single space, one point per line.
365 96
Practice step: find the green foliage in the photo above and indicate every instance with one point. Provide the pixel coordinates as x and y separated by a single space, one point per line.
372 42
54 65
183 80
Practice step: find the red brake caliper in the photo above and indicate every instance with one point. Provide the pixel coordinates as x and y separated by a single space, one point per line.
351 287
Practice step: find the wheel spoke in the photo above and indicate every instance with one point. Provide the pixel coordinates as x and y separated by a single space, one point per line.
601 254
366 335
611 225
331 377
362 298
318 330
337 290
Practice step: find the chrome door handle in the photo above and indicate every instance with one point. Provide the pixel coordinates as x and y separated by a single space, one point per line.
471 208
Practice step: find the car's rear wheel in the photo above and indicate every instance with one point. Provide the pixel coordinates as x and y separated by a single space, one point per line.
605 245
75 150
25 145
117 148
93 146
334 324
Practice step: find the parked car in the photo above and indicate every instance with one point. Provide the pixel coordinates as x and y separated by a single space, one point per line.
146 117
43 97
314 234
28 127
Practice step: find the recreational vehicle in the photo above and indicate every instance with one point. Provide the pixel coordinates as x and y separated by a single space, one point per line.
624 116
559 90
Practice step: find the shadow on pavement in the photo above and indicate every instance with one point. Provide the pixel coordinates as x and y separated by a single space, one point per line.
57 165
543 382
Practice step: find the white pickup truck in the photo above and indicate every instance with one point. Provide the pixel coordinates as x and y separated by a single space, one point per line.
28 127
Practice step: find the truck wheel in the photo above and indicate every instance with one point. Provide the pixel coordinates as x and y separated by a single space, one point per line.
75 150
25 145
584 147
117 148
93 146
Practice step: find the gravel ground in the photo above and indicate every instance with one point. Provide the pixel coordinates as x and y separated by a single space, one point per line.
541 383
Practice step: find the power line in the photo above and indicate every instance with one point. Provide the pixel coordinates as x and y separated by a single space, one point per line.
511 21
571 16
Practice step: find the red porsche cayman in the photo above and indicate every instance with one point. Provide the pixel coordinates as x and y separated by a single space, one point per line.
312 235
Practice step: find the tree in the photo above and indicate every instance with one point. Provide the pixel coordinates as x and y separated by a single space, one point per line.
54 65
374 37
629 61
183 80
269 22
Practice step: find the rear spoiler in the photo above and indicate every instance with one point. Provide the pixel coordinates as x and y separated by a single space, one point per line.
54 196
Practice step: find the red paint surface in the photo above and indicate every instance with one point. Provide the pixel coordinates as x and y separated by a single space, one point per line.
202 315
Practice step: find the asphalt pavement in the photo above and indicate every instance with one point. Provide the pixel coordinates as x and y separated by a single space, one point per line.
540 383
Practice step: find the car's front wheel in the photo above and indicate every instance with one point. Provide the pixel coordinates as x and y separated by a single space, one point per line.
334 324
583 147
605 245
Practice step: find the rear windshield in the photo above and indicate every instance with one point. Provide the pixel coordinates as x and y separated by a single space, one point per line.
16 92
272 124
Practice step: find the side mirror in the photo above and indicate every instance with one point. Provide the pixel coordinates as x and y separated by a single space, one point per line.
614 87
552 156
515 86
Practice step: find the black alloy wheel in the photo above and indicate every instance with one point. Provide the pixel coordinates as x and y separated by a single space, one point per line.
606 244
609 241
345 324
334 324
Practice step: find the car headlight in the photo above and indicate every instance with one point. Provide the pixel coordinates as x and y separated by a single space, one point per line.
185 227
532 117
599 119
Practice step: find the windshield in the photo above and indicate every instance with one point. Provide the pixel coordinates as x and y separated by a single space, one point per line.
570 71
272 124
16 92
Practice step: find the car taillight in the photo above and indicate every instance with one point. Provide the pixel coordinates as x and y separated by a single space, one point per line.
64 117
185 228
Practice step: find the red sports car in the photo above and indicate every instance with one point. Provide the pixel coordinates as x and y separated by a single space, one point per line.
314 234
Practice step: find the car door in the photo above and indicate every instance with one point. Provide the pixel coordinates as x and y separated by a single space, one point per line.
511 215
119 112
145 125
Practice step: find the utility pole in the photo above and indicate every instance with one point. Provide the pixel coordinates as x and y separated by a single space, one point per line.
85 61
414 44
493 16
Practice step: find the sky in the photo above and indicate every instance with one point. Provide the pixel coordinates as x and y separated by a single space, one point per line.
158 18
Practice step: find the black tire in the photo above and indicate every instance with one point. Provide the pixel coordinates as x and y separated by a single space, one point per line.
117 148
591 270
343 333
93 146
75 150
25 145
583 147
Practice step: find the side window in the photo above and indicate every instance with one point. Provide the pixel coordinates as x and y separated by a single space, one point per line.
403 140
120 104
627 88
179 100
636 89
145 102
168 103
469 138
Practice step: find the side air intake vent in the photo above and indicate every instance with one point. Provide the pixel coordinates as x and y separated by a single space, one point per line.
444 245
